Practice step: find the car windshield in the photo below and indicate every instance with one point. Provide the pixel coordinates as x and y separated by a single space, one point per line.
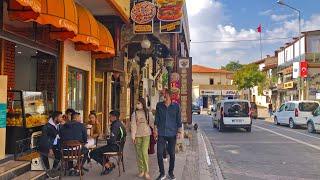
236 109
308 106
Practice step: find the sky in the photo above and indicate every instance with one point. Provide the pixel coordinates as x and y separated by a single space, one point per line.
213 21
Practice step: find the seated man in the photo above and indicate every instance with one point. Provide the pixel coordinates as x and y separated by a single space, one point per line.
48 144
74 130
117 133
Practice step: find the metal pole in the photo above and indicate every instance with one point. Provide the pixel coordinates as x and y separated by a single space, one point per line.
260 47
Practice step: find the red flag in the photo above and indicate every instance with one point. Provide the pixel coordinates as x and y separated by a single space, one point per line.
259 28
304 69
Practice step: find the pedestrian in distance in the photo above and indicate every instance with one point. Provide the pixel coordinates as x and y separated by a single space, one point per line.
169 128
141 123
270 109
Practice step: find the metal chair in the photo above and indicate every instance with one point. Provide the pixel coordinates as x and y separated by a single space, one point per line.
117 155
71 151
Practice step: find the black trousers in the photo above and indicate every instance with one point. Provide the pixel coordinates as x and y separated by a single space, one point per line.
169 144
57 158
97 154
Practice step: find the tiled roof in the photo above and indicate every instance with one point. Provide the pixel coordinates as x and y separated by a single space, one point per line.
203 69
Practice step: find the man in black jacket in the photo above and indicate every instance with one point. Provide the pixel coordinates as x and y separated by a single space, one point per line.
117 134
75 131
49 141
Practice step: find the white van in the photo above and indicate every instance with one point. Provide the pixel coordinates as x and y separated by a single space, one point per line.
232 113
295 113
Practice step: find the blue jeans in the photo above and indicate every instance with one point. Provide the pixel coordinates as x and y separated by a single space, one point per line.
161 147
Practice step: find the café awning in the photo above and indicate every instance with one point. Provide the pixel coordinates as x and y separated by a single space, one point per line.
87 38
106 44
62 16
24 10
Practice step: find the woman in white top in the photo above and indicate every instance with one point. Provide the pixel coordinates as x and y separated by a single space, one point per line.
141 122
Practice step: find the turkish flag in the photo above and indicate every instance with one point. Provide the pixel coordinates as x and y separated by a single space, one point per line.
259 28
303 69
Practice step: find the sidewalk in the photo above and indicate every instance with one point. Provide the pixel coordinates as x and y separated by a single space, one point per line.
131 166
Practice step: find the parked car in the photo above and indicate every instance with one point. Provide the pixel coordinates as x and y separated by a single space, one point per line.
313 123
254 110
232 113
295 113
196 109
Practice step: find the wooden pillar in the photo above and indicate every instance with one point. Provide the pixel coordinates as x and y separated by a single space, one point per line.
60 78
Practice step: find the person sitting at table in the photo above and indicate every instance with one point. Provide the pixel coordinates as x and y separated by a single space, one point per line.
118 133
74 130
95 129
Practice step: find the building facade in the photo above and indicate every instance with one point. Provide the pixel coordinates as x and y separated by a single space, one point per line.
210 85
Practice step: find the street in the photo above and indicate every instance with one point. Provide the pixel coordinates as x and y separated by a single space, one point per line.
268 152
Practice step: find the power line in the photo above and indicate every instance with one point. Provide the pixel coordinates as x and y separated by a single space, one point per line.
241 40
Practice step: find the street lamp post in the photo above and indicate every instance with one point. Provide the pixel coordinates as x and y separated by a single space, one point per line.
280 2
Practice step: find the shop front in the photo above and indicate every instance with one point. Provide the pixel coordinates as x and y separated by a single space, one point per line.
29 59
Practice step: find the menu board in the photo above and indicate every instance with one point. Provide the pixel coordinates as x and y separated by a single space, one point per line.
185 72
170 13
142 15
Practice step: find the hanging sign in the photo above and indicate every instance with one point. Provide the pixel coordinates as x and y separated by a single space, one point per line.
170 13
175 87
142 14
304 69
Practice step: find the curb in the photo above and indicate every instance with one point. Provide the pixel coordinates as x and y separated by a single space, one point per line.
210 156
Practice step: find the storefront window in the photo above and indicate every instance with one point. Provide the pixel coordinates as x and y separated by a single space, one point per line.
76 89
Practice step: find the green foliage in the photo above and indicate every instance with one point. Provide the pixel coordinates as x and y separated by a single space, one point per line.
249 76
232 66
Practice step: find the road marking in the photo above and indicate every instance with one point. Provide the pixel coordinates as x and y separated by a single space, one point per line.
288 137
206 150
296 132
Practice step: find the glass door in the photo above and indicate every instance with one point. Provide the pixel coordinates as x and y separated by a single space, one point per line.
76 90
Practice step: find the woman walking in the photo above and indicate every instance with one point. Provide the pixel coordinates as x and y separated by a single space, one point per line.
141 123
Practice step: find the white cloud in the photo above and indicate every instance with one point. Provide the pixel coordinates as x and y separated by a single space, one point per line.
195 7
275 17
265 13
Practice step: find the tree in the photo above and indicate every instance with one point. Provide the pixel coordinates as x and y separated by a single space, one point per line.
248 77
232 66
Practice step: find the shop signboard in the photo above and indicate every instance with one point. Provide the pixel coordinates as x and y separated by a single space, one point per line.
296 70
185 72
170 14
142 15
288 85
210 92
3 115
229 92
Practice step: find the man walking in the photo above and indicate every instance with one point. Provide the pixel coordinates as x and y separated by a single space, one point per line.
168 129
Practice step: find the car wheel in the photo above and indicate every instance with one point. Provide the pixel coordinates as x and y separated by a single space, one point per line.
248 129
310 127
291 124
276 121
220 126
198 112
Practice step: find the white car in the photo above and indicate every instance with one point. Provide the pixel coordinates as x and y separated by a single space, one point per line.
295 113
313 123
232 113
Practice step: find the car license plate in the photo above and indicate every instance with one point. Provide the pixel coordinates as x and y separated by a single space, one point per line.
237 120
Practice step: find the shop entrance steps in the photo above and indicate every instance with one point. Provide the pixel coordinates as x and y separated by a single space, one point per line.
19 170
32 175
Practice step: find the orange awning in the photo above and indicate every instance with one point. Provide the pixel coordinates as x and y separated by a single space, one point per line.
24 10
106 47
87 38
62 15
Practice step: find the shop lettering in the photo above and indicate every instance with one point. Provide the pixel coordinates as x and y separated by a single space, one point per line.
143 28
171 26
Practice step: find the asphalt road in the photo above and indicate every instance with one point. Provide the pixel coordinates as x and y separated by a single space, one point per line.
268 152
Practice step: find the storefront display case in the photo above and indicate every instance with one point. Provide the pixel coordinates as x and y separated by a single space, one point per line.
26 114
